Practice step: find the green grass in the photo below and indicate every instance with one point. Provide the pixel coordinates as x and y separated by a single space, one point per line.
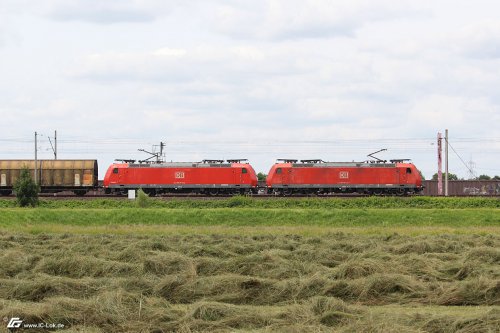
276 203
252 220
254 217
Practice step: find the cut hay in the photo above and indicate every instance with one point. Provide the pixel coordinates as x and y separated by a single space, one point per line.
189 283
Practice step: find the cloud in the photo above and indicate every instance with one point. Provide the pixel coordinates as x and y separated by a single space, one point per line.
6 30
108 11
297 87
263 78
222 64
479 40
465 115
299 19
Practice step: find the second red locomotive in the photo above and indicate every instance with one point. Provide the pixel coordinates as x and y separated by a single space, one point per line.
210 177
316 176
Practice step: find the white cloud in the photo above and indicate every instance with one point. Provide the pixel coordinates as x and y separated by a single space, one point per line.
479 40
259 73
463 114
282 20
225 64
301 86
108 11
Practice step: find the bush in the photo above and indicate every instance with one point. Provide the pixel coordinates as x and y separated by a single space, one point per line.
142 199
26 189
238 201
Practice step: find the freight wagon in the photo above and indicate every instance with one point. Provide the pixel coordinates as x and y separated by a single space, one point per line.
53 176
464 187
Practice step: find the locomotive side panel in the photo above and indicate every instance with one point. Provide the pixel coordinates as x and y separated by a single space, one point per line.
180 176
365 176
340 177
332 176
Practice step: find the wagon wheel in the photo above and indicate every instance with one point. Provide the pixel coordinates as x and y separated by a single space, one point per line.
287 192
151 192
237 191
213 191
401 191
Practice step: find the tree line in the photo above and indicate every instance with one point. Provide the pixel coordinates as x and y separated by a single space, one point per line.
452 176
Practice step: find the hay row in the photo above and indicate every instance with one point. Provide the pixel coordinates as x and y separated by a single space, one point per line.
339 282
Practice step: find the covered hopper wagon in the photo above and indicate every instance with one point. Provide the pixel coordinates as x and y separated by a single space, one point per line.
53 176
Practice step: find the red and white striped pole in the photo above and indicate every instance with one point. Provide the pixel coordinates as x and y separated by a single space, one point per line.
440 164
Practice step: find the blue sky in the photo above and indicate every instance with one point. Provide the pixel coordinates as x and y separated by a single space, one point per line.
261 80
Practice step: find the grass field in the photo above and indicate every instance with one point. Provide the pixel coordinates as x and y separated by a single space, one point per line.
302 221
367 265
278 203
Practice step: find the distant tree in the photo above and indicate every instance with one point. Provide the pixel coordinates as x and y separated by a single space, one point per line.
26 189
484 177
496 178
261 176
451 176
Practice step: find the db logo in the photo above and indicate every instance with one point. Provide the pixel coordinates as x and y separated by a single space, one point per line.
344 174
14 323
179 174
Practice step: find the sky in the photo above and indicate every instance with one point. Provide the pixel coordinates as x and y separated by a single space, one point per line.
219 79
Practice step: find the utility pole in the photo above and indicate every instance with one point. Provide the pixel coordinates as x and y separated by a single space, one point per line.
446 164
36 148
471 166
440 164
54 147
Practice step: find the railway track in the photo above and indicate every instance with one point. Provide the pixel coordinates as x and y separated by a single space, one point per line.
58 196
180 196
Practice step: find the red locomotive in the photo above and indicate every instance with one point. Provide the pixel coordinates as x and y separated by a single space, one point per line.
369 177
214 177
210 177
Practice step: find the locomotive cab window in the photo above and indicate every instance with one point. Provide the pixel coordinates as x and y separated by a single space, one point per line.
244 170
115 170
278 171
408 171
